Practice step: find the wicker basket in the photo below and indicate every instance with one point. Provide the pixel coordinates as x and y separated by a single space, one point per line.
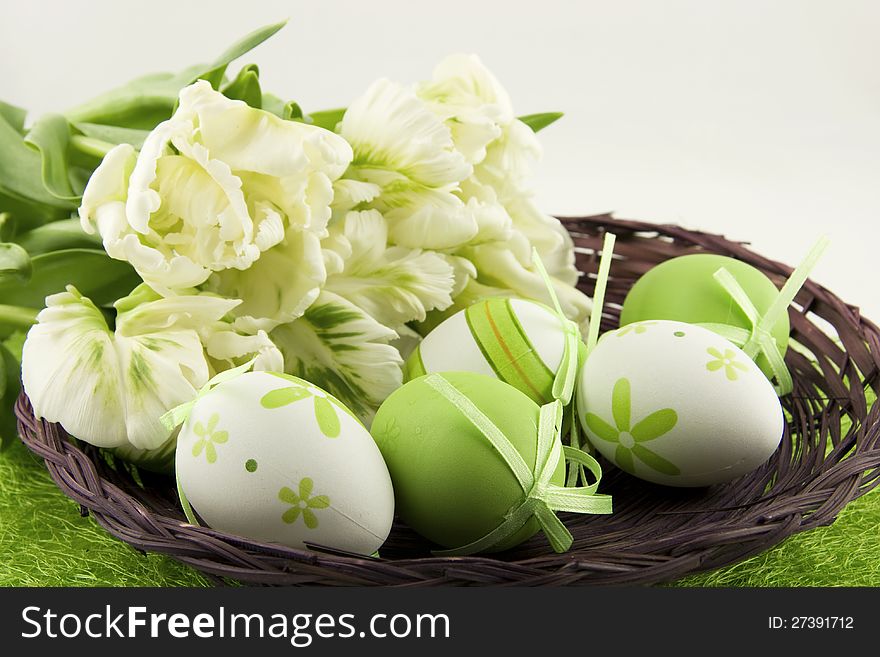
656 534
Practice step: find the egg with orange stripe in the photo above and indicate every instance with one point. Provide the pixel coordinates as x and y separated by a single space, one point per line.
518 341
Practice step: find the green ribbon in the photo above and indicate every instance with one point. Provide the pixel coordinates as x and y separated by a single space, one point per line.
566 375
541 498
592 338
178 415
759 339
599 292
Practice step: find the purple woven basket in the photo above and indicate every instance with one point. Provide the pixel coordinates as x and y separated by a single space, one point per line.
656 534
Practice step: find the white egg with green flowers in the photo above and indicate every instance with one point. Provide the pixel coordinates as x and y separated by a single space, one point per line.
272 457
677 404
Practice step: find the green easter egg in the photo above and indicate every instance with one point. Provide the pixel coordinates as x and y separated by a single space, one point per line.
683 289
450 484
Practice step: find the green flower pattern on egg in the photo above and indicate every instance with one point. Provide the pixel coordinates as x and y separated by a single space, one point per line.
725 360
630 438
303 504
637 328
208 438
325 405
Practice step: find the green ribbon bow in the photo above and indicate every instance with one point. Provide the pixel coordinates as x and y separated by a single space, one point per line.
566 376
758 339
542 498
178 415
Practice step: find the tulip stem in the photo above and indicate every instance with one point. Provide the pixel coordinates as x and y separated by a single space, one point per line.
91 146
18 316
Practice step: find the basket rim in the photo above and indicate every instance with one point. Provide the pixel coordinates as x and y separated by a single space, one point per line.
850 469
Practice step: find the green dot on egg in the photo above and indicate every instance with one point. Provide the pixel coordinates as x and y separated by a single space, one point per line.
250 465
679 334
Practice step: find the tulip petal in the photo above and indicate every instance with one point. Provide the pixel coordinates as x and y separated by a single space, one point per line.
498 266
390 128
279 286
471 101
393 285
234 347
144 311
159 371
108 183
250 139
70 371
340 348
424 218
547 235
108 389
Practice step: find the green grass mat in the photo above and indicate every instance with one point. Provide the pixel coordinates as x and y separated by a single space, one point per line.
45 542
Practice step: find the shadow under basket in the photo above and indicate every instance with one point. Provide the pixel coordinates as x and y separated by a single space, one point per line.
829 455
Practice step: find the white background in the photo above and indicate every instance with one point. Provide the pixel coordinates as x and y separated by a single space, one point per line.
758 120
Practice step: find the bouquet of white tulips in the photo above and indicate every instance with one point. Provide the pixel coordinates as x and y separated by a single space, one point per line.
188 223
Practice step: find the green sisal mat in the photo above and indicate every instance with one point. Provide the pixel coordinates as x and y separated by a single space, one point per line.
45 542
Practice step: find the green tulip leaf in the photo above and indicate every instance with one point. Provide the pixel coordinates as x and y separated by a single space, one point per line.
15 343
7 227
25 214
22 193
236 50
10 387
50 137
327 119
540 121
148 100
91 271
272 103
56 236
292 111
13 115
112 134
4 367
15 264
246 87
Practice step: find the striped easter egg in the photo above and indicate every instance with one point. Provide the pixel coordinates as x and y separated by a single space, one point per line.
518 341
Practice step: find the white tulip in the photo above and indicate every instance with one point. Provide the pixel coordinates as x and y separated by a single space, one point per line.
110 388
215 189
407 154
503 150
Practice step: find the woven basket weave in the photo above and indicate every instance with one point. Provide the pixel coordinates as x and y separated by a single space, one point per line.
656 534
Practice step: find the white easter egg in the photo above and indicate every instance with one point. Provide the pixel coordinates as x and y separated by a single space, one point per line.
274 458
677 404
518 341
